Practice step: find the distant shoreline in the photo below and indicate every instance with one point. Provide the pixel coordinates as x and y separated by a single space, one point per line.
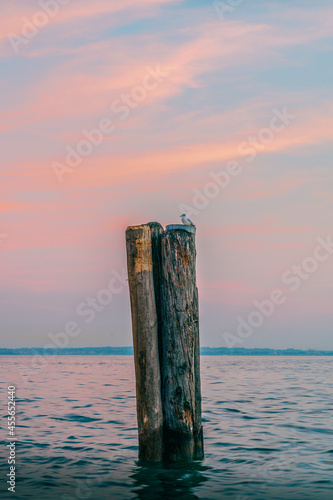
128 351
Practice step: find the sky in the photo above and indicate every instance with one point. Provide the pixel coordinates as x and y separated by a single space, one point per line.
117 113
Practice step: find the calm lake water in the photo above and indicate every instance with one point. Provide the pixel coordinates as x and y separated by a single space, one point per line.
267 427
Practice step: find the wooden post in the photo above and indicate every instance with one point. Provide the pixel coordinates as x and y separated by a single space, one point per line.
180 366
145 339
165 323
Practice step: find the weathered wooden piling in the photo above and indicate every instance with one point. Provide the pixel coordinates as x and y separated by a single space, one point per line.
180 366
145 339
165 322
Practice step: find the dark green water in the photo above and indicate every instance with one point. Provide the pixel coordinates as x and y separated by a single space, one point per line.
267 426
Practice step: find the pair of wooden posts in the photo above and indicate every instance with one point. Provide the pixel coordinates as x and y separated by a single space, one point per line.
165 324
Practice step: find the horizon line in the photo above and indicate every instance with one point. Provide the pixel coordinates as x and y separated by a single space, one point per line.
130 347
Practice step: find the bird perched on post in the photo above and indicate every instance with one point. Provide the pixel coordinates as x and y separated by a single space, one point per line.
186 221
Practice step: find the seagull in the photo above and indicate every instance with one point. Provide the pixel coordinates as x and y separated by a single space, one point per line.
186 221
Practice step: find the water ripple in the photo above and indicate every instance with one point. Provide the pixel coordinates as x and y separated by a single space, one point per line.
267 427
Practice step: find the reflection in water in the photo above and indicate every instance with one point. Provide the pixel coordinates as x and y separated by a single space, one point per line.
157 481
267 430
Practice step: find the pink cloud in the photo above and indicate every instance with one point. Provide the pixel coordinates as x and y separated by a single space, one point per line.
14 15
115 169
10 206
82 94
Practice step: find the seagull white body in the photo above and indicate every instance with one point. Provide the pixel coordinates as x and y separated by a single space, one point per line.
186 221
